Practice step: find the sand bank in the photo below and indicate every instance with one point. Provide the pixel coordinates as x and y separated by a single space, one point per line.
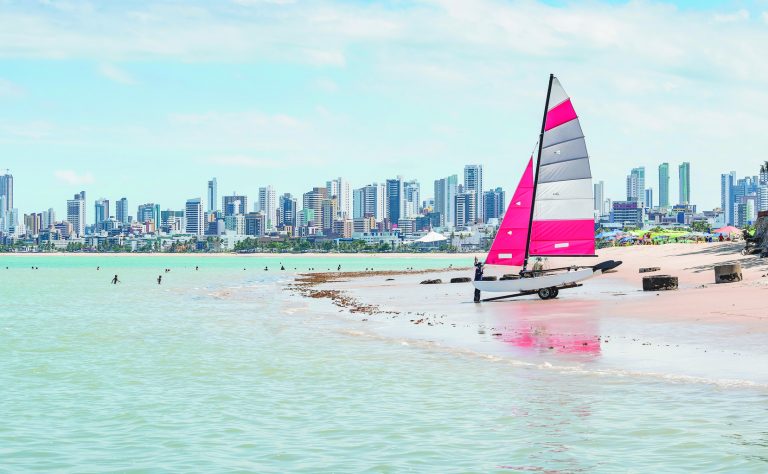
702 331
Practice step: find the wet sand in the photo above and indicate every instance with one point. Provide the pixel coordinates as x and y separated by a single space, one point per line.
701 332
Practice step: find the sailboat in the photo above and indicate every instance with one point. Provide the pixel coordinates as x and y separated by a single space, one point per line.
551 213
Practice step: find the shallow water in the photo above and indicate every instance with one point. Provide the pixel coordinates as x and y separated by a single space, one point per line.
220 370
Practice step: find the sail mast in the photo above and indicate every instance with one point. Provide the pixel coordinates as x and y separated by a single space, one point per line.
536 174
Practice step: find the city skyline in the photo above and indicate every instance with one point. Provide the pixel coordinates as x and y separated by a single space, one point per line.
288 92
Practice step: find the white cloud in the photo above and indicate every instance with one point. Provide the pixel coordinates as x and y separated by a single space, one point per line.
73 178
765 17
116 74
326 58
738 15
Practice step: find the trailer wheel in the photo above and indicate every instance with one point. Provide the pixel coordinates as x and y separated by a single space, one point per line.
545 293
555 292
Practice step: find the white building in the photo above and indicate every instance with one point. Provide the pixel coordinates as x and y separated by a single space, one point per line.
193 213
473 181
76 214
268 206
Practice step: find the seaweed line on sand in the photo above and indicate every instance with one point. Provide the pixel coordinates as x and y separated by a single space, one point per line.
305 284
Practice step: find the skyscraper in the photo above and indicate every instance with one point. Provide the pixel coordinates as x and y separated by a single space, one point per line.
268 205
212 195
193 212
473 181
599 198
648 197
727 183
685 182
340 188
394 199
6 190
121 211
411 199
76 213
288 211
368 201
445 199
664 185
149 212
234 204
636 185
314 200
466 210
493 204
101 212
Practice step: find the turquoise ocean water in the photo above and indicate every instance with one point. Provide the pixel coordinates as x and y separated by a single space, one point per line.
219 370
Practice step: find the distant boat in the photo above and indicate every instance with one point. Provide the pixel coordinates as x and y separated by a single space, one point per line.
551 213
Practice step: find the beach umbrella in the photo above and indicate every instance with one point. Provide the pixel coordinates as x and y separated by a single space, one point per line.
729 229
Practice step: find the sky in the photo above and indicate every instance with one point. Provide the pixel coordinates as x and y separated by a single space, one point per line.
149 100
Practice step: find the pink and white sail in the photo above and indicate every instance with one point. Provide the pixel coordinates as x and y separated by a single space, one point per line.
563 217
563 220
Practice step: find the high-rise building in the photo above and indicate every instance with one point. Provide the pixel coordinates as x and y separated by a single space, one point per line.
255 224
121 211
599 198
268 205
329 211
288 211
466 212
149 212
76 213
6 190
101 212
493 204
193 213
33 223
340 188
212 195
411 199
314 200
234 204
636 185
445 199
684 171
664 185
394 199
369 201
727 184
48 218
473 181
648 200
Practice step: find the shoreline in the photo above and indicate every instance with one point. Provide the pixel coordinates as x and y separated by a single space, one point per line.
702 332
254 255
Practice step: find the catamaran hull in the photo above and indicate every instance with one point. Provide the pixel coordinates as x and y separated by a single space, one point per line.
536 283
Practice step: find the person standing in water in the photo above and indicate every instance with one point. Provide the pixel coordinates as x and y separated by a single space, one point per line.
159 279
115 281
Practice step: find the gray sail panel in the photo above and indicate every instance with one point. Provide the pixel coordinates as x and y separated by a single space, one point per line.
565 171
563 133
564 151
557 94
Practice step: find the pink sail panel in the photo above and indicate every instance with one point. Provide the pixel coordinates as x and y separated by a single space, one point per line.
559 115
563 237
508 247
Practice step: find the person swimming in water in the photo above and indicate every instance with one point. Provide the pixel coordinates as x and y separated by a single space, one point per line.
115 281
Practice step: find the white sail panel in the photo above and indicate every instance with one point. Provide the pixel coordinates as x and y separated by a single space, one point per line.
576 189
557 94
573 209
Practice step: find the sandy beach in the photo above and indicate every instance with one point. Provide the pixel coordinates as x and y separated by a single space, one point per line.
707 332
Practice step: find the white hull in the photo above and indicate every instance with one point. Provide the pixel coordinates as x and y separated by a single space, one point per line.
535 283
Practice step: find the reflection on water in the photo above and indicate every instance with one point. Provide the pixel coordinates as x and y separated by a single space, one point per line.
550 326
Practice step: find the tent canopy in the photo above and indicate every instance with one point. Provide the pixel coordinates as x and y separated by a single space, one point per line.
431 237
729 229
